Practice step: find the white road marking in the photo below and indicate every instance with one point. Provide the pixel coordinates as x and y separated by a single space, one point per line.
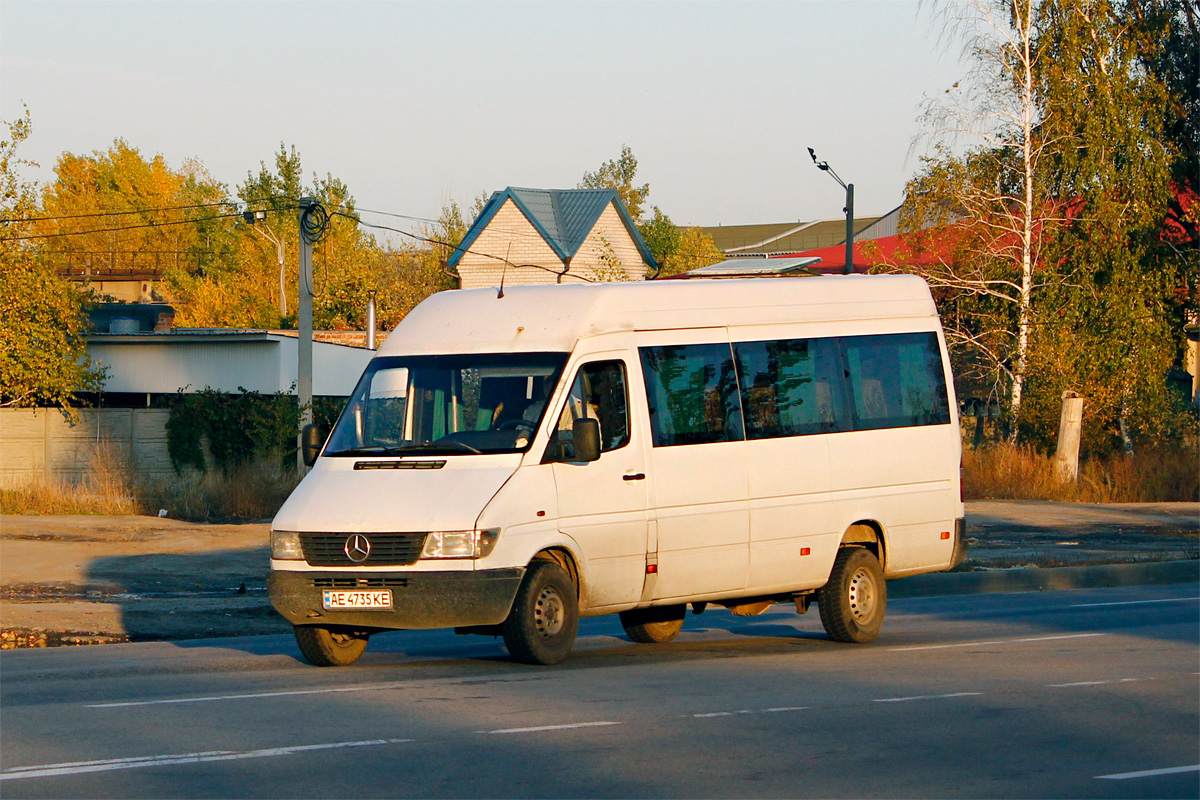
108 765
254 696
1137 602
1148 773
1091 683
540 728
998 641
745 711
925 697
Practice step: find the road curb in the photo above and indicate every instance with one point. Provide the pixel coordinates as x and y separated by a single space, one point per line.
1034 579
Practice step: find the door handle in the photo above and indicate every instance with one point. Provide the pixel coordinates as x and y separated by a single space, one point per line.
634 476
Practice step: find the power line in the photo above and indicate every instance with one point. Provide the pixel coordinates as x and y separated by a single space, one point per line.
460 247
236 214
118 213
114 230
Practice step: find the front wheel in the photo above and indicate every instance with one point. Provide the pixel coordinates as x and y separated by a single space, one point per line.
854 601
541 626
326 647
653 625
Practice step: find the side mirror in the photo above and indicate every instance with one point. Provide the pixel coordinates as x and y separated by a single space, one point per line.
310 444
585 434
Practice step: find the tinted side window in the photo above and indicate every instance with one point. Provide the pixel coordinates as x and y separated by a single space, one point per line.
790 387
598 392
896 380
693 395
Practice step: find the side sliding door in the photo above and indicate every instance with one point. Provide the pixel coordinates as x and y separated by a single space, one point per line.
696 463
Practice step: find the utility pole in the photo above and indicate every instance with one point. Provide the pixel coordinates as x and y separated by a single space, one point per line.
849 209
309 233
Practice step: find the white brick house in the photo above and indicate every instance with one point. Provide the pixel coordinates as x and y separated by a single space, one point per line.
530 236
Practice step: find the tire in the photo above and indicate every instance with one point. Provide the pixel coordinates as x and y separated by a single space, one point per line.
653 625
854 601
541 626
323 647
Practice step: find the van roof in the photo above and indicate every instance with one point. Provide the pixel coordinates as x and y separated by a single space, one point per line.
553 318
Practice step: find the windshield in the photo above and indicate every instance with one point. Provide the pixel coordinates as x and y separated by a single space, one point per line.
447 405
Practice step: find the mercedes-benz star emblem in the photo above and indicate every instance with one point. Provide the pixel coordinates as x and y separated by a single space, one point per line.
357 548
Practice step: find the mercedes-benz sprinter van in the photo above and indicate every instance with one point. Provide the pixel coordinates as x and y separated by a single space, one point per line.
511 461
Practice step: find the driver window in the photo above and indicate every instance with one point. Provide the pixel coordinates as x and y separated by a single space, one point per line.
598 392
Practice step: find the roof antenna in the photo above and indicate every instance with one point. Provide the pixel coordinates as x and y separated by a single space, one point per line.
504 271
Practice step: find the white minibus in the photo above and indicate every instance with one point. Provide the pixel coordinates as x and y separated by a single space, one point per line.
513 460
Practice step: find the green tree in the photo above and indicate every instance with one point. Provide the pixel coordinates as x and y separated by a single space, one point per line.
1118 319
661 235
619 174
1167 35
43 340
696 249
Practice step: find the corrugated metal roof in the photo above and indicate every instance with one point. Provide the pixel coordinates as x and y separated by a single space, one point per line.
783 237
564 218
223 359
751 267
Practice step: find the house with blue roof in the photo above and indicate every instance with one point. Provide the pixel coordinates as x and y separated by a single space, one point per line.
537 236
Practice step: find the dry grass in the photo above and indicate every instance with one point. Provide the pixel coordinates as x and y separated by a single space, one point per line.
1012 472
106 488
254 491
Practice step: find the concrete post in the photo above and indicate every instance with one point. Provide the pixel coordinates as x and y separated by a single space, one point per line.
1070 427
371 321
305 325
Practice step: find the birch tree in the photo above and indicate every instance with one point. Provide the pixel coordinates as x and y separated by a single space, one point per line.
985 210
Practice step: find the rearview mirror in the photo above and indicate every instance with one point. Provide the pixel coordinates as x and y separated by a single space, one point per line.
585 434
310 444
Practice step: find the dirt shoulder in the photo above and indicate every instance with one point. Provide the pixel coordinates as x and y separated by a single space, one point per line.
94 579
88 579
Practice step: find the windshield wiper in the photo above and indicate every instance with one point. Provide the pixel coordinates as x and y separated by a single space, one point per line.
426 447
371 450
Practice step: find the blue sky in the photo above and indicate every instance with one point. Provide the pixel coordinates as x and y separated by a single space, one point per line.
413 103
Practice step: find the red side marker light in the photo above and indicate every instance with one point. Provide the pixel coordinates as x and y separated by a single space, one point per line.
804 551
652 569
541 513
945 534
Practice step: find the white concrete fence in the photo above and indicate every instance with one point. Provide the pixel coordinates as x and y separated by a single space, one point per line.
42 444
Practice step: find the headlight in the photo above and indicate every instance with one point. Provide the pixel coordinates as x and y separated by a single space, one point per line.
460 544
285 546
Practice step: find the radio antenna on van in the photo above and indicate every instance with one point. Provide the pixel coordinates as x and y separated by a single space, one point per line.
504 271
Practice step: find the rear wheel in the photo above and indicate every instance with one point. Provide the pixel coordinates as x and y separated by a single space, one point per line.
541 626
653 625
326 647
854 601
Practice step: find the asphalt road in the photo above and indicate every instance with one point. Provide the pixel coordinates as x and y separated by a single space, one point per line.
1059 694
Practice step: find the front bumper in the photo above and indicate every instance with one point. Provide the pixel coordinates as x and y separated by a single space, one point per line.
419 599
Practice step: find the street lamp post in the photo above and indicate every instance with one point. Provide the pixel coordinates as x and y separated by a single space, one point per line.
849 187
258 216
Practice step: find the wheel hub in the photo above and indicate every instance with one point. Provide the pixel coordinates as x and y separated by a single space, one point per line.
862 595
549 613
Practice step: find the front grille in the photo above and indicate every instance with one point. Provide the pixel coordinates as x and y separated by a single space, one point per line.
387 549
372 582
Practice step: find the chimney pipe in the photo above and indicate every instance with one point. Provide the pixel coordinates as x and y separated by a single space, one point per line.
371 321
